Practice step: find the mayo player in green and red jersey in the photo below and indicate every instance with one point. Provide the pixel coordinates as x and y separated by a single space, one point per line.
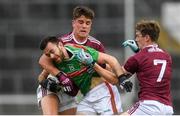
78 63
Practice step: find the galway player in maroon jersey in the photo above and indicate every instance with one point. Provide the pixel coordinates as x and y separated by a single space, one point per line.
153 67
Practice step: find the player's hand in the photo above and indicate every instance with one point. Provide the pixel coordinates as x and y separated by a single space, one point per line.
84 57
126 83
67 84
50 85
63 79
132 44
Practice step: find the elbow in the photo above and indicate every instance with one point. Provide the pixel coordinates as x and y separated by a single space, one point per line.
115 60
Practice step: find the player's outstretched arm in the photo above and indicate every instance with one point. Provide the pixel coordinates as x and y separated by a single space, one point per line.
103 58
112 62
117 69
87 59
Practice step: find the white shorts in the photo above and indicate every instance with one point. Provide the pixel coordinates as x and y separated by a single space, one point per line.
66 101
99 100
150 107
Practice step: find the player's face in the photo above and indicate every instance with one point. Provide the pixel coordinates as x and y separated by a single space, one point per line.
81 27
54 52
140 39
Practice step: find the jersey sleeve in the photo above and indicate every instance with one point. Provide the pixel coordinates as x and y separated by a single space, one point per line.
101 48
94 53
131 65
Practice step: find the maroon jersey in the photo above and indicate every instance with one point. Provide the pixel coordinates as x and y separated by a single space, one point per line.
153 68
90 41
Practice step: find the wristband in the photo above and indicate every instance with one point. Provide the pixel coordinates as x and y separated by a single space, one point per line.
92 64
59 74
121 78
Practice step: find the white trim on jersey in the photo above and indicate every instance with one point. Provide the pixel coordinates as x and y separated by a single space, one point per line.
71 36
67 38
92 39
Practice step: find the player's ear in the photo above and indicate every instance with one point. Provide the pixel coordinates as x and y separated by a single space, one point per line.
147 37
73 23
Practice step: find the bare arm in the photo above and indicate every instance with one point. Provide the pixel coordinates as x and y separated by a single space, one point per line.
43 75
112 61
117 69
107 75
47 64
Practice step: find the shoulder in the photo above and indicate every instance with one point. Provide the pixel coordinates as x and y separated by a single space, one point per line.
96 44
131 65
133 58
94 40
136 58
65 38
167 53
77 46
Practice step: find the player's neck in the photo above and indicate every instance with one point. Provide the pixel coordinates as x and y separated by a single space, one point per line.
150 44
79 39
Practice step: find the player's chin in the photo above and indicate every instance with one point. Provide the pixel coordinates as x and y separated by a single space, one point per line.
83 34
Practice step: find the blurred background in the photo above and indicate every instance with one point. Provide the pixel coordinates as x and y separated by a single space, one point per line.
23 23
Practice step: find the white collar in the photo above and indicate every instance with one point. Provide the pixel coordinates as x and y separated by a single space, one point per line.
151 45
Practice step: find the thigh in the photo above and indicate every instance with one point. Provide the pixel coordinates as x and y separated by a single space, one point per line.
50 104
117 98
85 113
101 101
58 102
110 103
85 107
67 103
137 109
148 107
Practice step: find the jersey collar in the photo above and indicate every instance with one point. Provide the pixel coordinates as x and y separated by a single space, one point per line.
152 45
70 58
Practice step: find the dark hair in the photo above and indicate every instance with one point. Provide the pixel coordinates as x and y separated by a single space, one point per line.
83 10
149 27
45 41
